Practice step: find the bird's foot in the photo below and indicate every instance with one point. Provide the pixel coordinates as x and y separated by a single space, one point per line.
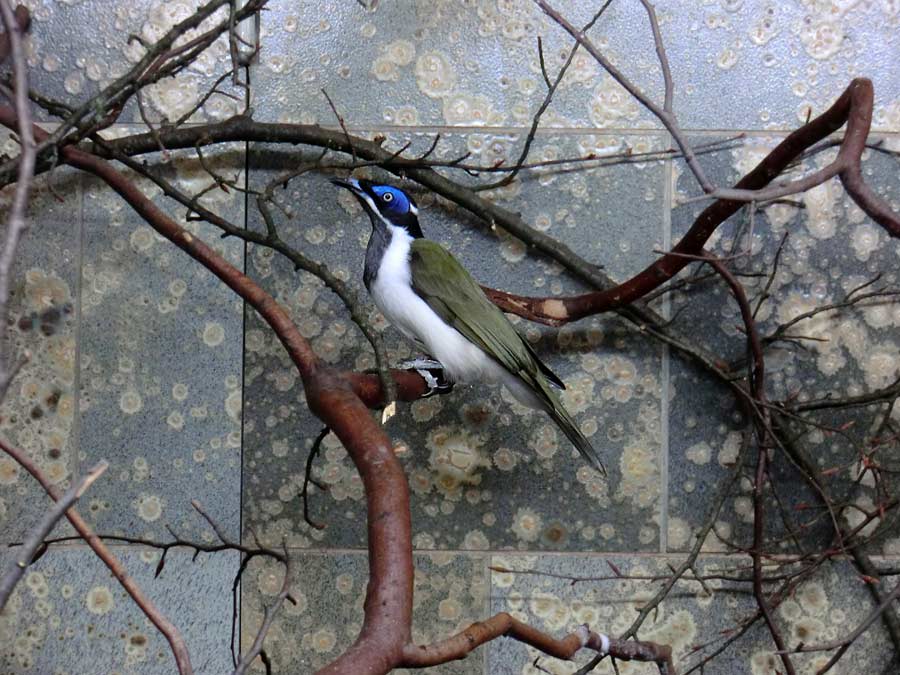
432 372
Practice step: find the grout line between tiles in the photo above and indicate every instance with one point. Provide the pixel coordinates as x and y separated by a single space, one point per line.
489 594
240 594
665 375
574 131
75 436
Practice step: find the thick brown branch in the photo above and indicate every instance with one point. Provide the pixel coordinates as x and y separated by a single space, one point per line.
460 645
854 107
388 608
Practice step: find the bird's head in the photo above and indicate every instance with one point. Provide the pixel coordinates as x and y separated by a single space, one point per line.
385 204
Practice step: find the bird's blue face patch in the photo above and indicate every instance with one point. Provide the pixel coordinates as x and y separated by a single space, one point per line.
391 199
385 204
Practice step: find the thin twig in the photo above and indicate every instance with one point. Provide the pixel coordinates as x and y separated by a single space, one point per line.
308 478
26 554
167 628
340 119
551 89
269 617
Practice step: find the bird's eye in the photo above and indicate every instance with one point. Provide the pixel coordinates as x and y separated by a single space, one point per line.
388 197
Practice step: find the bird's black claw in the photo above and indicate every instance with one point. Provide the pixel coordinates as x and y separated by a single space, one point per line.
432 372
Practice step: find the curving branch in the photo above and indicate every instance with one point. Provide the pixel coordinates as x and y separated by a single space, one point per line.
853 107
162 624
342 399
332 399
460 645
858 115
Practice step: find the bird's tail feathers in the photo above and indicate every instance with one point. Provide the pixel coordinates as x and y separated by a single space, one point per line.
568 426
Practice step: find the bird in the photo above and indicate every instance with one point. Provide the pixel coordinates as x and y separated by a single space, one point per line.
423 290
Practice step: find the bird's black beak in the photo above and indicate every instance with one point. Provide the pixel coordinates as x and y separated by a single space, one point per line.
350 183
357 191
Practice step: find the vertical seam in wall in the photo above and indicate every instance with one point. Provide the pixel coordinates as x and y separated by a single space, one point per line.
240 597
75 434
489 591
665 377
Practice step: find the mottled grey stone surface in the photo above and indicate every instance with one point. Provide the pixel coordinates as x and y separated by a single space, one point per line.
39 412
161 343
741 65
139 357
441 63
69 615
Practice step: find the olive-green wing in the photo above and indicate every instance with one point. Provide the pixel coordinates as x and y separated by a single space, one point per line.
439 279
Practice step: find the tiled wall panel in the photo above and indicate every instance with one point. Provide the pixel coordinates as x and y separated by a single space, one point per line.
140 357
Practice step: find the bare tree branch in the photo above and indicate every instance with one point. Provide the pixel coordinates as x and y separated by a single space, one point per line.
163 625
268 618
25 555
503 624
15 24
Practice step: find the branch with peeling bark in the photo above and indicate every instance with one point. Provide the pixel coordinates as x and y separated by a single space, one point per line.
853 107
505 625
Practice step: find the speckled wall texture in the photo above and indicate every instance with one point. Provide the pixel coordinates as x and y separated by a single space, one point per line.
141 357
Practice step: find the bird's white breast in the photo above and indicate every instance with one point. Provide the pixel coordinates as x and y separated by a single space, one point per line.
393 294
